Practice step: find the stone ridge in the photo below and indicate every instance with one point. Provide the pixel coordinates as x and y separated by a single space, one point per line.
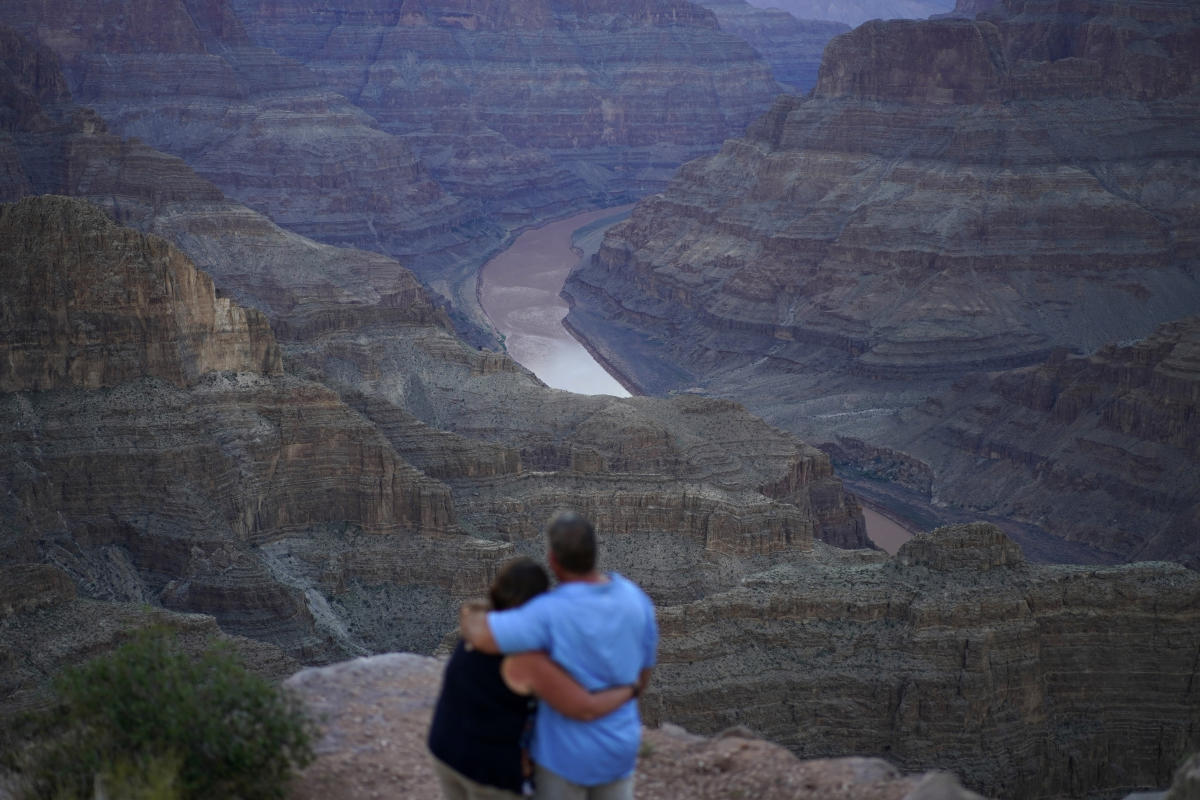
120 305
1116 427
977 547
1029 681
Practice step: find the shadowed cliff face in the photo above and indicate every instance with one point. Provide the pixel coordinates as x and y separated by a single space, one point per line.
1029 681
1026 183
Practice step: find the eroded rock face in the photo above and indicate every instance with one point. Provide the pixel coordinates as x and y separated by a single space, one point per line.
333 521
1028 680
1027 184
152 445
120 305
1116 428
460 125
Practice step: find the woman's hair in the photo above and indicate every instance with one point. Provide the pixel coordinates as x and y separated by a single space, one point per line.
518 581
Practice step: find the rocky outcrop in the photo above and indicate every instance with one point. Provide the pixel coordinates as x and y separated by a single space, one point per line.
792 47
154 450
1021 187
119 305
1115 429
1029 681
376 714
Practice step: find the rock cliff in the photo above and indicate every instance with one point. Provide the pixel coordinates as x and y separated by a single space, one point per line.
1115 429
1029 681
1026 185
153 447
184 77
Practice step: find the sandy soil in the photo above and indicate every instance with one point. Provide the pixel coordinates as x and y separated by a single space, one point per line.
519 291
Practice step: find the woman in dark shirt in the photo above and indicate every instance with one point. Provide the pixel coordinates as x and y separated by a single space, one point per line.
485 709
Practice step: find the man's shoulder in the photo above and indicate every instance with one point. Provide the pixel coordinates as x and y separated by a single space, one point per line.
631 588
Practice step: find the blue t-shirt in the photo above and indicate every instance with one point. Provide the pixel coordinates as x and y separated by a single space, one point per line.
604 635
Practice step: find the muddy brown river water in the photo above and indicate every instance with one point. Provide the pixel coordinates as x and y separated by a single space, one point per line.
518 290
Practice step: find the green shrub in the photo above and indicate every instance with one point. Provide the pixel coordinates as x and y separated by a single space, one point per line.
150 721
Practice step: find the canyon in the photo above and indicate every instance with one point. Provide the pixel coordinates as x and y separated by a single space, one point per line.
210 421
909 228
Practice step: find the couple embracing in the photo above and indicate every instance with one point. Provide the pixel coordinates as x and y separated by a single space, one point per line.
584 649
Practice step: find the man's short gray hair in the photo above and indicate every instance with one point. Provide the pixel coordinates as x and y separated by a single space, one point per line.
573 542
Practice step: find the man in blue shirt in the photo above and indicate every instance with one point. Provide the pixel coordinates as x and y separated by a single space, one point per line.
600 628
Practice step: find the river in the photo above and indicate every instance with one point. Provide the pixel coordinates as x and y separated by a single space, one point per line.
518 290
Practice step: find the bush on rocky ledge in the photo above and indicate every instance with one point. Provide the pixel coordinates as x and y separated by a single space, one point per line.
151 722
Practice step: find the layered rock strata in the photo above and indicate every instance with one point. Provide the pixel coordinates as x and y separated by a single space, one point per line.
1030 681
1115 429
531 105
1026 185
424 132
154 448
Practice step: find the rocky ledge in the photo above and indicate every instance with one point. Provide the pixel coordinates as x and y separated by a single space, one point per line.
1027 680
377 713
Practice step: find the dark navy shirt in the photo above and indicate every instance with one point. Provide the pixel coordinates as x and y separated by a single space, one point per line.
478 722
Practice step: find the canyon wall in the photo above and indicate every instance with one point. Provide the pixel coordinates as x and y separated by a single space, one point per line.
1028 681
1027 184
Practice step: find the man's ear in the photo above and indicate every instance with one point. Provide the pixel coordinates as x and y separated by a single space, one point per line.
555 567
